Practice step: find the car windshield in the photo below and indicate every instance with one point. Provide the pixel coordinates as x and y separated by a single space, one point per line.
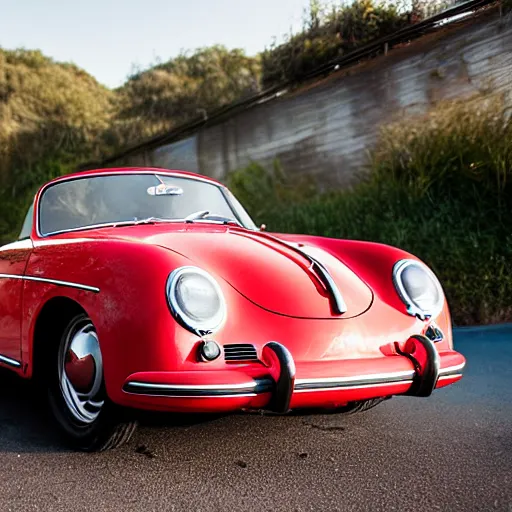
111 199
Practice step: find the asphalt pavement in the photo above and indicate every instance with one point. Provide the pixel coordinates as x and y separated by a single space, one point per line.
449 452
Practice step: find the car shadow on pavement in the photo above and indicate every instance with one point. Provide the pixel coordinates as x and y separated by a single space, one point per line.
26 424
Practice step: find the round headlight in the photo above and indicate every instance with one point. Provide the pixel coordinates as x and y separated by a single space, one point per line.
196 299
418 288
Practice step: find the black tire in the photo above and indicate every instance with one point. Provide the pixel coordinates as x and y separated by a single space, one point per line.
355 407
112 427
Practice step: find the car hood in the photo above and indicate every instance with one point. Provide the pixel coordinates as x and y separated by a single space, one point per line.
270 273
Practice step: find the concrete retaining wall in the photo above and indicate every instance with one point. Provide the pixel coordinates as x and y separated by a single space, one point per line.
325 129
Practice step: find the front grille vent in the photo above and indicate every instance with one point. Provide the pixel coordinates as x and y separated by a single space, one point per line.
240 352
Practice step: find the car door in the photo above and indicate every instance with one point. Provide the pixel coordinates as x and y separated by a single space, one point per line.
13 261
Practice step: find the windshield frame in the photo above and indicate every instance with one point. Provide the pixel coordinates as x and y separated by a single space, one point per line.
155 172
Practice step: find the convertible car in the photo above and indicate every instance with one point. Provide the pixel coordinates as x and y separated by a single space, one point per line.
144 288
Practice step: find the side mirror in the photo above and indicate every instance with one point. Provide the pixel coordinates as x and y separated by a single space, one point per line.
263 227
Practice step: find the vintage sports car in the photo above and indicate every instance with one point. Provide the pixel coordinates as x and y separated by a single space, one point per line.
153 289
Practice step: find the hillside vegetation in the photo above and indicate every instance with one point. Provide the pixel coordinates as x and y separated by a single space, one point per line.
187 87
439 186
49 116
54 116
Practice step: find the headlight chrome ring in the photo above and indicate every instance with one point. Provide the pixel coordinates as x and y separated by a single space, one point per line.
406 289
197 295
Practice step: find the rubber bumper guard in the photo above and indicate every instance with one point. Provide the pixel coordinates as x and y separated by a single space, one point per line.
282 369
423 354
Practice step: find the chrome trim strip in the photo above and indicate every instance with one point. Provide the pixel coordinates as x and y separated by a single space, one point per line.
452 369
18 245
366 381
10 362
52 281
246 386
362 386
339 302
452 376
235 395
245 389
63 283
62 241
11 276
376 377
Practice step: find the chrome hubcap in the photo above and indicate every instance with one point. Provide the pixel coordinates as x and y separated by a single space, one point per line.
81 372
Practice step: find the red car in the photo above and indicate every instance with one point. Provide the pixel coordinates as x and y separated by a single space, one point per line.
153 289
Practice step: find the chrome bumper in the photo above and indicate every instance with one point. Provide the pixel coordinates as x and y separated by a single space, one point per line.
282 384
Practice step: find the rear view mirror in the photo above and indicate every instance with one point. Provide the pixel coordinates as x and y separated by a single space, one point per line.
165 190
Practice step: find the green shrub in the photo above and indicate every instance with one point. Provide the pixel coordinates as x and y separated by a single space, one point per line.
440 187
263 192
331 32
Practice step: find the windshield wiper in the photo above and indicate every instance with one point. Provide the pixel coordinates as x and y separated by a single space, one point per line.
201 214
148 220
152 220
204 214
212 217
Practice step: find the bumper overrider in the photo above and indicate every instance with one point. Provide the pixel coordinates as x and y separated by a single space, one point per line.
416 370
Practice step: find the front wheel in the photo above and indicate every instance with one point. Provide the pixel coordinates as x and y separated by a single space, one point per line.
76 390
